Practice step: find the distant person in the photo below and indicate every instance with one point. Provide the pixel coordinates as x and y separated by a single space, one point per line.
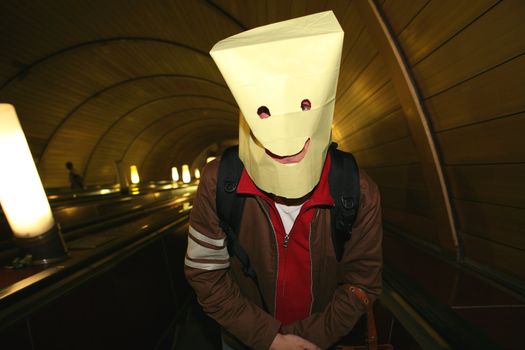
76 181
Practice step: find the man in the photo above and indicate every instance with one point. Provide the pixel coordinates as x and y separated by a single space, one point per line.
284 78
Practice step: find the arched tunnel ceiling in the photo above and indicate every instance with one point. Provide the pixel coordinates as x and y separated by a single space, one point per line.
93 82
91 79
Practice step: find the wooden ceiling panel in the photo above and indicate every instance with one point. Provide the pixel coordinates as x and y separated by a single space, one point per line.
93 93
390 128
185 152
482 143
504 225
502 257
194 157
383 102
353 27
395 153
55 89
500 184
358 57
401 13
42 28
499 92
490 40
370 79
403 176
153 133
124 132
148 139
411 201
113 139
418 226
194 135
436 23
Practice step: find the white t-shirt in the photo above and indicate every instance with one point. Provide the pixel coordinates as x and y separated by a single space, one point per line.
288 215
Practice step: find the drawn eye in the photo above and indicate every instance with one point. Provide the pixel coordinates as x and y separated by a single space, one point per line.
263 112
306 105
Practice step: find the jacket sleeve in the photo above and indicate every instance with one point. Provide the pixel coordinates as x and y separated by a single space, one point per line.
360 265
206 268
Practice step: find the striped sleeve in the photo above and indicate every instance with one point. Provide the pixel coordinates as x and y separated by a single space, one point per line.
206 253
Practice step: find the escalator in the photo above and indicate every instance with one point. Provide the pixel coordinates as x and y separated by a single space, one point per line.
124 287
121 275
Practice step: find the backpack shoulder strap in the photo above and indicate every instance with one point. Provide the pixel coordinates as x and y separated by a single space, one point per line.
345 191
230 205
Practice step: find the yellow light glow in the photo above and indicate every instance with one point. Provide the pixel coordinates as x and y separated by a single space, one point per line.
336 134
135 179
197 174
21 192
186 176
174 174
104 191
209 159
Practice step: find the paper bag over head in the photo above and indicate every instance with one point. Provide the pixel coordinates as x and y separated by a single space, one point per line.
278 66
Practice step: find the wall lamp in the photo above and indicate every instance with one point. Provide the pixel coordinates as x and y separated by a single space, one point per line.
22 195
134 174
174 174
186 176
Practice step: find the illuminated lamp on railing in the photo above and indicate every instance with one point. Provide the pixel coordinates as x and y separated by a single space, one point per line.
197 174
135 179
209 159
175 174
22 195
186 176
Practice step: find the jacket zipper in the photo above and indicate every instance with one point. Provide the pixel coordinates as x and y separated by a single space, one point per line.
285 246
287 235
286 239
267 214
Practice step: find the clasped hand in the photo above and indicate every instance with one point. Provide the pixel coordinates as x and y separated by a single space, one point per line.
291 342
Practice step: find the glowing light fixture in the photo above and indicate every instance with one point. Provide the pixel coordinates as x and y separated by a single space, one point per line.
22 195
175 174
186 176
135 179
197 174
209 159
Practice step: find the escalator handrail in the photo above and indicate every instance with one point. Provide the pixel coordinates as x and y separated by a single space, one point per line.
457 332
47 285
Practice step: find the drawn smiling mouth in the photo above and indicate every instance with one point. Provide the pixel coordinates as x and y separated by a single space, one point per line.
290 159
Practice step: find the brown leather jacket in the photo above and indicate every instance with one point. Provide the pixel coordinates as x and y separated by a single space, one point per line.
233 300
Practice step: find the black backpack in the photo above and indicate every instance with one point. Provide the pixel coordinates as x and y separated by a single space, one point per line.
344 188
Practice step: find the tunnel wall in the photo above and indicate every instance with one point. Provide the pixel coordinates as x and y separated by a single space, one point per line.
467 62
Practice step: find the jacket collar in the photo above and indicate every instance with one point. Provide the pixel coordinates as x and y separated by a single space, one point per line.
320 195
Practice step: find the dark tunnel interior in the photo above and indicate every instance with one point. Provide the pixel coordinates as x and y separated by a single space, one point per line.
430 100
